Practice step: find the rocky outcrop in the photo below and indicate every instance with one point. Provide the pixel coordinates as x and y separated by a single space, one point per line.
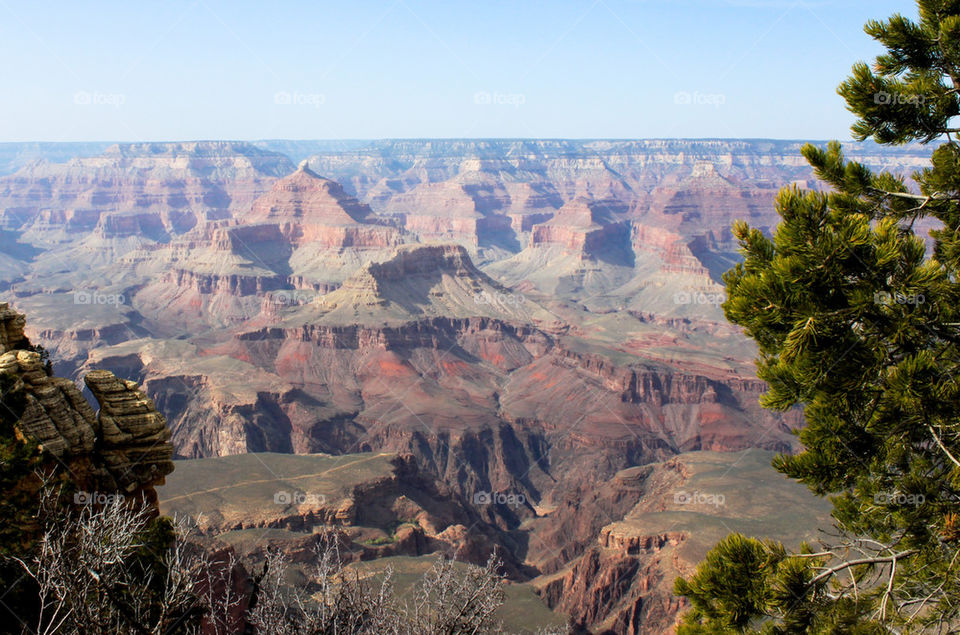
134 439
585 227
56 415
11 329
612 590
672 249
309 209
125 447
452 259
308 197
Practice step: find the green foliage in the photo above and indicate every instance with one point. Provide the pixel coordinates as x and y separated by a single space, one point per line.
909 94
858 325
729 589
747 585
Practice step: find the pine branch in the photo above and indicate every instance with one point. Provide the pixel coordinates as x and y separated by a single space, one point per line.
858 562
942 446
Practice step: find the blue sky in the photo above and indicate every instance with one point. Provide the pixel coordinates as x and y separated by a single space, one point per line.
205 69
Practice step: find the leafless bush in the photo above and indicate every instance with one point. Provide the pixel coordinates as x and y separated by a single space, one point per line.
450 600
96 574
80 566
333 602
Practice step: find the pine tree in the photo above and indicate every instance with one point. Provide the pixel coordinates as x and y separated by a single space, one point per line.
859 325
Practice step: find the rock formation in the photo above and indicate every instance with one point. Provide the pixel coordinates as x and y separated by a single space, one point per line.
125 447
309 209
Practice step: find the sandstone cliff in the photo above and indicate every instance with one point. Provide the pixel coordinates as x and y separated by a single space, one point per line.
125 447
166 188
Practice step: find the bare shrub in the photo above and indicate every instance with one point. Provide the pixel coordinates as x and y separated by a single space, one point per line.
451 600
108 569
333 602
115 568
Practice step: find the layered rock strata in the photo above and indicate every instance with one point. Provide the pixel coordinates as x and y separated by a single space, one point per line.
125 447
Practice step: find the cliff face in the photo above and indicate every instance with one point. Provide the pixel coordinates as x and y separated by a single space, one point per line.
125 447
380 504
673 250
583 226
656 523
163 189
614 589
613 579
452 259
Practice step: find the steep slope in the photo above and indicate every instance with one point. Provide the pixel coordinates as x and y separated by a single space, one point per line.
675 511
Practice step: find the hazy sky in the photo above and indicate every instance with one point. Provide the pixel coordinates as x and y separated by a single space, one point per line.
164 70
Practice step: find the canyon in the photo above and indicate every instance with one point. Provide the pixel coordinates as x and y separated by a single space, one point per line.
524 336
